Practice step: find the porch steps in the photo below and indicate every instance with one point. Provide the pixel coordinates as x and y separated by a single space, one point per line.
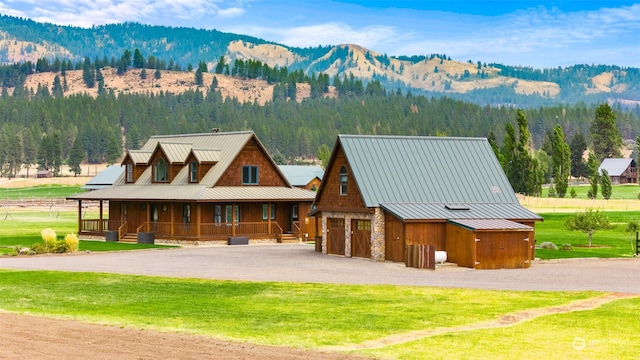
129 238
288 239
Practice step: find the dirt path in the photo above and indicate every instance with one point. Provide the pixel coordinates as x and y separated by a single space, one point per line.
504 321
32 337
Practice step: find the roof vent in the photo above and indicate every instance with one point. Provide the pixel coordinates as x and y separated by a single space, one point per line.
456 207
215 130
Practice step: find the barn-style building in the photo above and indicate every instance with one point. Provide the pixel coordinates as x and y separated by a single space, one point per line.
383 193
213 187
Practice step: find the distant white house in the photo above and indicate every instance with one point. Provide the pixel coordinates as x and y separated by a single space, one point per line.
621 171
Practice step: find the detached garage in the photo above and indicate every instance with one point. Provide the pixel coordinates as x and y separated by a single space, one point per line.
489 244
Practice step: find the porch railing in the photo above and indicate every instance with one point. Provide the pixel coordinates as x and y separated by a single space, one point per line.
189 230
297 232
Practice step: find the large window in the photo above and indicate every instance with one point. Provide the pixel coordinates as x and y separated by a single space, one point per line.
265 211
161 171
217 214
343 181
193 171
249 175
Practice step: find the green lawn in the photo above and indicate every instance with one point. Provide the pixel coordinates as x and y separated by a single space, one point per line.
620 192
298 315
606 243
40 191
23 228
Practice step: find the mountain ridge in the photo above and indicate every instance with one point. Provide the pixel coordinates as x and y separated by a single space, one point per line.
496 84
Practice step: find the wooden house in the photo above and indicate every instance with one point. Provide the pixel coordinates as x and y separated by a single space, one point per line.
621 171
381 194
303 176
199 188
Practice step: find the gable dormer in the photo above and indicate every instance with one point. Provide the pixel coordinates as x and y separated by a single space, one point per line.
200 161
135 163
167 160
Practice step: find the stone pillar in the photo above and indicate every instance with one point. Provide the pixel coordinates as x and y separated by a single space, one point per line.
378 235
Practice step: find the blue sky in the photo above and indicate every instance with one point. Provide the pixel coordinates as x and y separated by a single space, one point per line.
531 33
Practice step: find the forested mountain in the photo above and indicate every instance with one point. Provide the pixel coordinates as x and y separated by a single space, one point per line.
428 74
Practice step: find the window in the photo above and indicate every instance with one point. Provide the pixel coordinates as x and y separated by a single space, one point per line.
265 211
294 212
129 172
154 213
193 172
229 213
186 213
343 181
249 175
217 214
161 171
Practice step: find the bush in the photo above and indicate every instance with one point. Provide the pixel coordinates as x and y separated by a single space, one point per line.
552 192
49 238
566 247
573 193
71 241
548 245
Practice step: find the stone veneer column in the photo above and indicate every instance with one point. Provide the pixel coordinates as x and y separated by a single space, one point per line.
378 235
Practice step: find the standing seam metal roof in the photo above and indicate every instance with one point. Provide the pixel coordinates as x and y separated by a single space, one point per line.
615 167
414 169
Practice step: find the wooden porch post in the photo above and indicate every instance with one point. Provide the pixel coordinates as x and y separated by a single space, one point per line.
100 226
148 216
80 216
172 220
233 220
198 220
269 218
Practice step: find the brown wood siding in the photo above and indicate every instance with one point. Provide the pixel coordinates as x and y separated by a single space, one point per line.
115 216
203 169
252 154
394 239
426 233
136 215
137 171
460 245
330 197
313 184
502 250
307 224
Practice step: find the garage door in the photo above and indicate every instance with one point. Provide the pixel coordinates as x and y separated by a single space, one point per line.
502 250
335 236
361 238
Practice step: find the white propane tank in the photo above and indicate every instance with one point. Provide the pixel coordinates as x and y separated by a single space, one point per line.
441 257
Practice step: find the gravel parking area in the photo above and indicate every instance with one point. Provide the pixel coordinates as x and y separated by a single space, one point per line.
300 263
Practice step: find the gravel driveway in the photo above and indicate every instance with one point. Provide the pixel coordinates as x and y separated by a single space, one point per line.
300 263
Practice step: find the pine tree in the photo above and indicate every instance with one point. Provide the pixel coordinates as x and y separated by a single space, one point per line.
561 162
577 146
606 185
594 176
76 156
88 73
606 139
138 59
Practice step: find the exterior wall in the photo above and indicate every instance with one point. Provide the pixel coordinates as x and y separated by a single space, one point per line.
426 233
394 239
313 184
329 198
377 231
460 246
252 154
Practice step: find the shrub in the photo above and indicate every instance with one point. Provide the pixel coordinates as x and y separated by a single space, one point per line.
49 238
71 241
566 247
548 245
552 192
573 193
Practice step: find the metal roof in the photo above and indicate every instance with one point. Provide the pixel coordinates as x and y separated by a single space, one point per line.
615 167
301 175
175 152
140 156
415 169
198 193
431 211
207 155
105 178
490 224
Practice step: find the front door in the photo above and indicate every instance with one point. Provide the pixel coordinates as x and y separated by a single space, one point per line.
335 236
361 238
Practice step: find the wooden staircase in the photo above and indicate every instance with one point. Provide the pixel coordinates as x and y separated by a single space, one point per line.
129 238
288 239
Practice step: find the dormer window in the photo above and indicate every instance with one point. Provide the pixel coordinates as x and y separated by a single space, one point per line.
129 169
193 172
161 171
343 181
250 175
